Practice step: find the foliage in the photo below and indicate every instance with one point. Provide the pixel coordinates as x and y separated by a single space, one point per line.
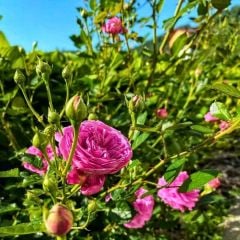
123 86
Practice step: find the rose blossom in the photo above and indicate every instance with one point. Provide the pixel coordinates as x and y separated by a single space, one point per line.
100 150
114 26
214 183
210 118
36 152
144 208
172 197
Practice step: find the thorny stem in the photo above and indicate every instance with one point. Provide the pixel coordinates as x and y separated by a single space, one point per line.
67 97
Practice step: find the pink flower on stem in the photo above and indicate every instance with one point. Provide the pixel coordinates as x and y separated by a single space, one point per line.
144 208
36 152
162 113
210 118
113 26
170 195
224 125
100 150
214 183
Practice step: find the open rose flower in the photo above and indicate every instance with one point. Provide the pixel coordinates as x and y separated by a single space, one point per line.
100 150
113 26
36 152
144 208
172 197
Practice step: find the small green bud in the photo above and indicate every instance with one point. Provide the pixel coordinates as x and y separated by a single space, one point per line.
49 131
67 73
92 116
50 185
53 117
43 69
92 206
19 77
76 109
39 140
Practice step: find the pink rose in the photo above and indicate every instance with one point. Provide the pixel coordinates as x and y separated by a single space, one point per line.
113 26
210 118
224 125
144 208
36 152
162 113
170 195
100 150
214 183
90 184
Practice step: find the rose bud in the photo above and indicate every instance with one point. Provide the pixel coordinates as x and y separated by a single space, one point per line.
76 109
59 221
162 113
19 77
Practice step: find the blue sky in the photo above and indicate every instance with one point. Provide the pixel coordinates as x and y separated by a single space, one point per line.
51 22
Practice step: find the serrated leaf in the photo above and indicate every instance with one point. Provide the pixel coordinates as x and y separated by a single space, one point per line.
198 179
21 229
10 173
219 110
202 129
227 89
174 169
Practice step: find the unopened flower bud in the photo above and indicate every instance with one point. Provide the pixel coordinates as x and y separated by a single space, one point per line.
53 117
92 116
136 103
76 109
59 221
67 73
39 140
162 113
49 131
49 184
43 69
19 77
92 206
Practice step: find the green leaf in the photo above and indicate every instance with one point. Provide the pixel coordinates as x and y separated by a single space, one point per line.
32 159
174 169
198 179
220 4
203 129
227 89
92 4
9 208
179 44
21 229
3 40
140 139
10 173
219 110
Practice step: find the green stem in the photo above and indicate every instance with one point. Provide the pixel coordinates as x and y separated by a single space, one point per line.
61 237
49 95
74 145
164 41
67 97
38 117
